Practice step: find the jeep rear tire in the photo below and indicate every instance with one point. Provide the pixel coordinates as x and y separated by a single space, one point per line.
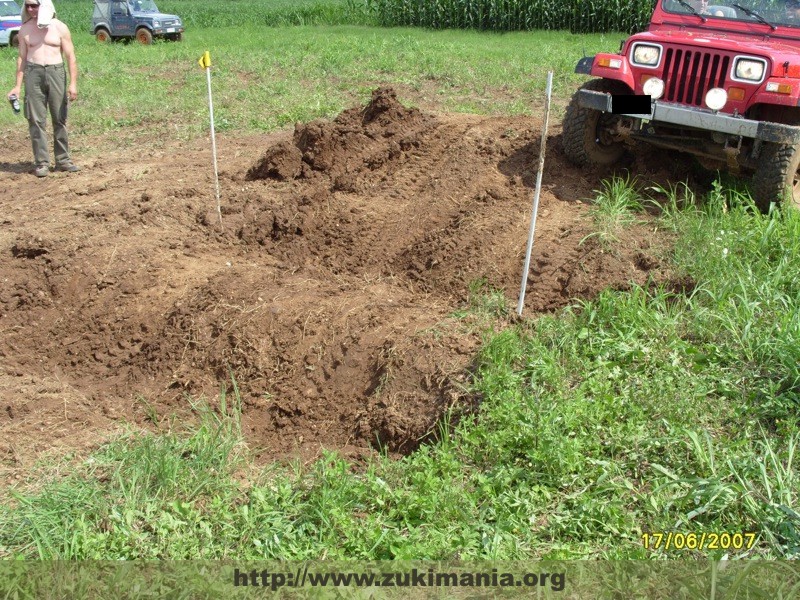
14 41
588 137
777 178
143 36
102 35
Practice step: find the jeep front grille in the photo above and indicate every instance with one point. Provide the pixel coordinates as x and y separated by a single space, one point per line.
689 74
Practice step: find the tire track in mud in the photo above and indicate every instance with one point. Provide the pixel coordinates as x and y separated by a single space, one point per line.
326 295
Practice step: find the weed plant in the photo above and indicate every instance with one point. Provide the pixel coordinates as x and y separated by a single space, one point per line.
615 206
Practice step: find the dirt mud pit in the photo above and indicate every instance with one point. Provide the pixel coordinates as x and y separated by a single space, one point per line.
326 292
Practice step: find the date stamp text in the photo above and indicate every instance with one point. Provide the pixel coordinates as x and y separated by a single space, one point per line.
706 540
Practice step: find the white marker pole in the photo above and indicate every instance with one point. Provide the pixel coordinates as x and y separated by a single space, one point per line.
205 62
535 211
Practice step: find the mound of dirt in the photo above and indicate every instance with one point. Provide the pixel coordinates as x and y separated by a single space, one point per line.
325 293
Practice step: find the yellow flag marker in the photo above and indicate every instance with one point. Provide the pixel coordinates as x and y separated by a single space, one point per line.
205 62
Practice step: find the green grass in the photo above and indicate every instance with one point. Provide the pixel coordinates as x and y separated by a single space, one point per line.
212 14
615 206
268 78
644 411
651 410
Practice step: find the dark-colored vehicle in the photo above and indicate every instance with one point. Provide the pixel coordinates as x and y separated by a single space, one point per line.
724 86
128 19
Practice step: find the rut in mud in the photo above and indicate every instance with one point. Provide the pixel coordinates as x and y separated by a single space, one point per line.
325 293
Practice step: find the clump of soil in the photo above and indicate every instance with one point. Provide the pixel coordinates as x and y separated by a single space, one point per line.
362 138
325 293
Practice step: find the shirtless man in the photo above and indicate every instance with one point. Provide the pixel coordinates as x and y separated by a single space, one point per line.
44 44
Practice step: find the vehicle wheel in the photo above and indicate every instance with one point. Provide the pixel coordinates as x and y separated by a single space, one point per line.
589 137
102 36
144 37
777 178
176 37
14 41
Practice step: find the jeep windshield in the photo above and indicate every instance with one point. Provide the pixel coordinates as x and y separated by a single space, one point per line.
8 9
147 6
774 13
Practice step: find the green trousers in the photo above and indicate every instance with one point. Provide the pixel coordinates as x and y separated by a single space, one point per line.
46 89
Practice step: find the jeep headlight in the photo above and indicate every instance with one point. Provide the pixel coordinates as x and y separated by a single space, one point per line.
156 24
748 69
646 55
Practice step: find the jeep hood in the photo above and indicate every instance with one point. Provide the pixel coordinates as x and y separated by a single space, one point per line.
158 16
776 50
722 40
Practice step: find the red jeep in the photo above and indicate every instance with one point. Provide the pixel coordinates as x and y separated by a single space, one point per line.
724 85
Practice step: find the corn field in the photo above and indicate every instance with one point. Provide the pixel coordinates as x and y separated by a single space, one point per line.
577 16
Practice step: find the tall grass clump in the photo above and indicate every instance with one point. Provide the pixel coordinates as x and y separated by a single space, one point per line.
271 13
140 496
615 206
580 16
677 405
749 305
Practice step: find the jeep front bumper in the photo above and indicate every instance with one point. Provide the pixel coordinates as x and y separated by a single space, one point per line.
698 118
167 30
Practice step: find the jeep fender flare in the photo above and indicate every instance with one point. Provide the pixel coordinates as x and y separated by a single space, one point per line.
761 96
590 65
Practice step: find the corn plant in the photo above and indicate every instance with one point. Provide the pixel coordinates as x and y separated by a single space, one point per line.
579 16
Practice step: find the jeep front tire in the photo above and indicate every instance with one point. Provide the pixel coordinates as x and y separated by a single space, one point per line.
144 36
777 179
588 135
